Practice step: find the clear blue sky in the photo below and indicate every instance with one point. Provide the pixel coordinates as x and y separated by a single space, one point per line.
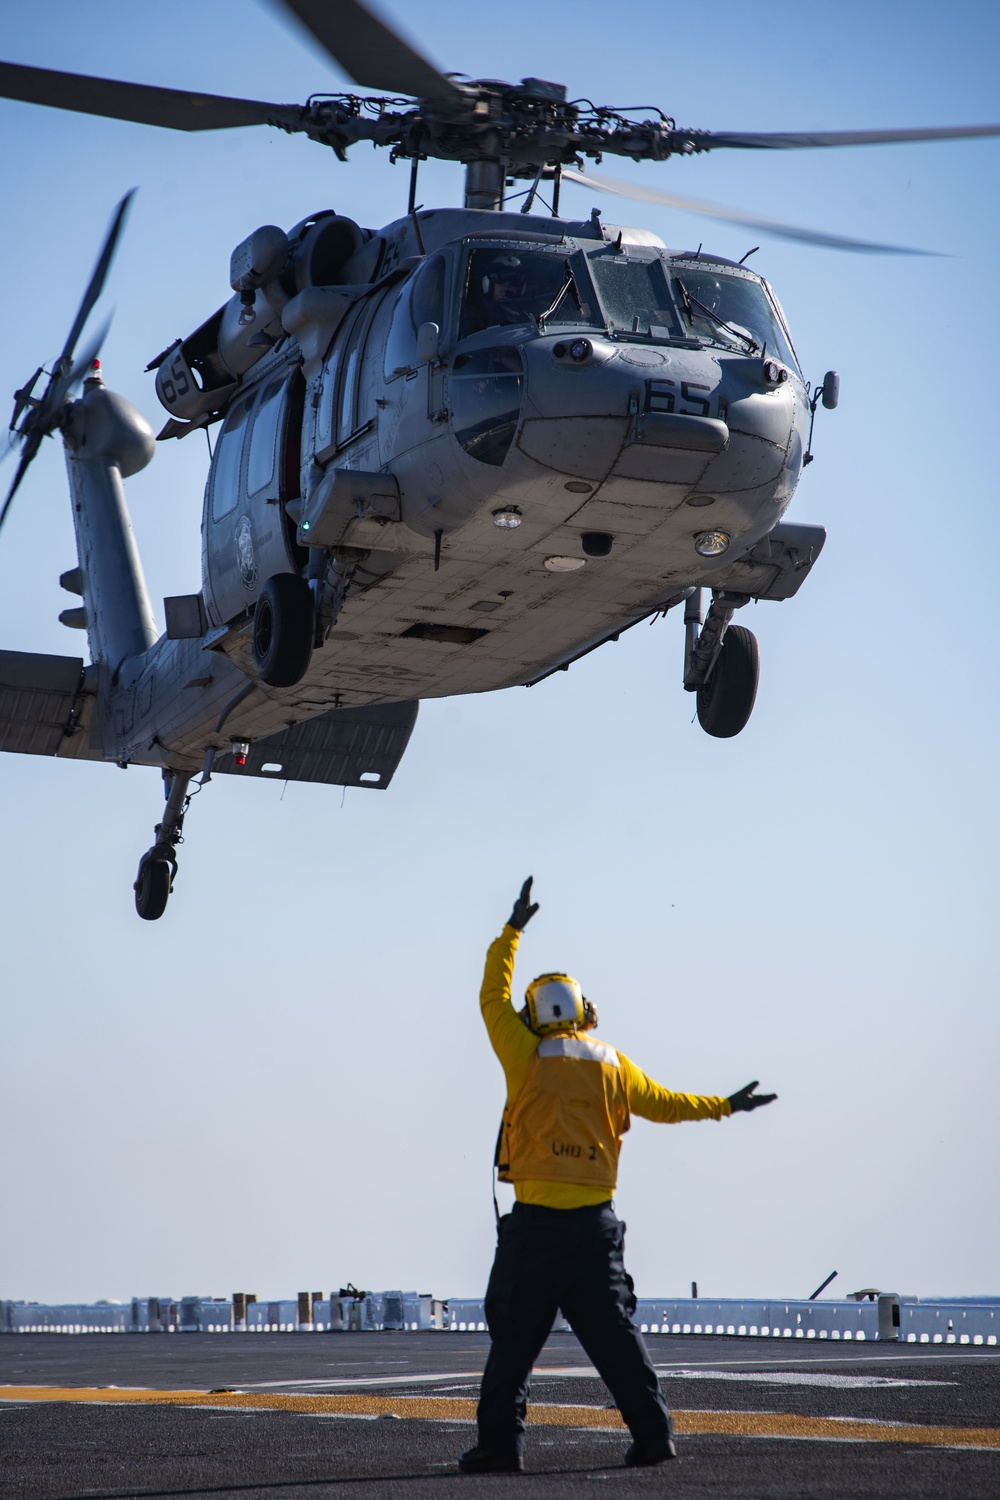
285 1082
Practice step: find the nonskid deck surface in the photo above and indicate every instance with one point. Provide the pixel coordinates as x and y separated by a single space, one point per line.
296 1415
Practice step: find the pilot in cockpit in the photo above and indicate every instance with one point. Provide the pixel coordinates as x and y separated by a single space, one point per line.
503 291
508 289
722 302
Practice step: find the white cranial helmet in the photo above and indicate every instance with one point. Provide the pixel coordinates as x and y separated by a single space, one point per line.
555 1003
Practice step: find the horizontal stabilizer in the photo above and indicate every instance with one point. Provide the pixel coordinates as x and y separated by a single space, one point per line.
348 747
45 705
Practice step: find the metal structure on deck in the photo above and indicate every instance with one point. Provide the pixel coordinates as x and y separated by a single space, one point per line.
877 1317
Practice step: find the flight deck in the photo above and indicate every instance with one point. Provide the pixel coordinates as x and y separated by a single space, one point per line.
300 1415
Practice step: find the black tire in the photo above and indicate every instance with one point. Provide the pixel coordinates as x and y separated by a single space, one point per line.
283 630
152 887
725 701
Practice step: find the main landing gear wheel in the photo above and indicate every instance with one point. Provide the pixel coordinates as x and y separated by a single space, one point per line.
725 701
283 630
152 886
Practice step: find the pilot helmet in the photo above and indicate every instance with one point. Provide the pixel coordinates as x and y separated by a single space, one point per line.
711 293
503 268
554 1003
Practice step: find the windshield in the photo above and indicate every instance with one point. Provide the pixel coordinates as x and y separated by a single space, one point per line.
504 288
635 296
731 309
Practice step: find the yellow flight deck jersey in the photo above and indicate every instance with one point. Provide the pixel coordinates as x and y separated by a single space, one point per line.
569 1099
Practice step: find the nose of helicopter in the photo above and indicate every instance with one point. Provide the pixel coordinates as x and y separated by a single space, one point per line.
594 409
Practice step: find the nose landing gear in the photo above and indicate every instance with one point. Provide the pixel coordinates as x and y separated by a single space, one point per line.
158 866
721 663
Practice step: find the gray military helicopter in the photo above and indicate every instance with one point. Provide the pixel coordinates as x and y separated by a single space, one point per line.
455 454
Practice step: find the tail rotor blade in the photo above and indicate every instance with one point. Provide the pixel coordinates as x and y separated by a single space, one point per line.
45 418
45 414
11 447
31 447
60 386
737 216
22 400
97 280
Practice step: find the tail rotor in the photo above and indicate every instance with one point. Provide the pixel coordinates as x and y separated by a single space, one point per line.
37 417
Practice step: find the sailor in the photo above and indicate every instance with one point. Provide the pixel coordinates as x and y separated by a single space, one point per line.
569 1102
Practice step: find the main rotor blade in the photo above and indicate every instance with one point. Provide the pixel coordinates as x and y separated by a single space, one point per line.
97 280
369 50
174 109
737 216
784 140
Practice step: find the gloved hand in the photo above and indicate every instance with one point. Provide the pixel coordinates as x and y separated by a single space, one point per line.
745 1098
523 908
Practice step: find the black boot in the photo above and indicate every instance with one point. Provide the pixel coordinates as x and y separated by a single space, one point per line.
479 1460
639 1457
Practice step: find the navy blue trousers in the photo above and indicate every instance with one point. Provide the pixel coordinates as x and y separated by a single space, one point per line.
568 1258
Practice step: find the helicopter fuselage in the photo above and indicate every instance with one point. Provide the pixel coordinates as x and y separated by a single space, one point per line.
482 478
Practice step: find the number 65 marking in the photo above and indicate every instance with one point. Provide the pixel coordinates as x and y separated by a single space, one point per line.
178 372
688 387
660 398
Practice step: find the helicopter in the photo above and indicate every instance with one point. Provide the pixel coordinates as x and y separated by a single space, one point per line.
453 454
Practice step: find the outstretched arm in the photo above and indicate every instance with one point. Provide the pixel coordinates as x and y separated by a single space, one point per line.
652 1101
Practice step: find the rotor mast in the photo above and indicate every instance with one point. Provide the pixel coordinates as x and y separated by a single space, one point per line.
484 183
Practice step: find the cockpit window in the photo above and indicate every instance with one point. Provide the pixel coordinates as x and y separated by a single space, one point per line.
420 301
725 308
226 463
635 296
506 287
263 438
484 392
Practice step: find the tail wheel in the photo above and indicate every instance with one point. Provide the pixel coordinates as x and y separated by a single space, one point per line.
283 630
152 887
725 701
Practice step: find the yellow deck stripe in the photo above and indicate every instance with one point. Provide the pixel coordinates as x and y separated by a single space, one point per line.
443 1408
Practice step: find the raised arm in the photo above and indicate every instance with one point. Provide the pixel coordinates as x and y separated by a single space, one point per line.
512 1042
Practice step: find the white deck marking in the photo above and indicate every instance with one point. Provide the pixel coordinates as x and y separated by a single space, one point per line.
346 1382
724 1370
793 1377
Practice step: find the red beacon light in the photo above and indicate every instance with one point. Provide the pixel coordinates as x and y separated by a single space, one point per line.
241 749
